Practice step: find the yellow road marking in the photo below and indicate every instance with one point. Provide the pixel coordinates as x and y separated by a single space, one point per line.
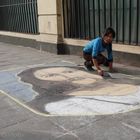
43 114
25 106
64 115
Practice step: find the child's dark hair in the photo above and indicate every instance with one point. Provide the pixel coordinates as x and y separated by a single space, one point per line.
108 31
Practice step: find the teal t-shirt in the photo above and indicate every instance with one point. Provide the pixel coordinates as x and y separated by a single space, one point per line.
96 47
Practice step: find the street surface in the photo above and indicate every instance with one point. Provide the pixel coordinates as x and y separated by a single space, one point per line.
51 97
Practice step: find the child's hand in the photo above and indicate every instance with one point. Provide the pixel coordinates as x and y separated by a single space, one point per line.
100 72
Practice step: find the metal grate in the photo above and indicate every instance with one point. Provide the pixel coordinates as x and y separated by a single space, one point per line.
86 19
19 16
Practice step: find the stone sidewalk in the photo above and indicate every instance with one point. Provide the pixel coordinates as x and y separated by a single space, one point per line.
58 86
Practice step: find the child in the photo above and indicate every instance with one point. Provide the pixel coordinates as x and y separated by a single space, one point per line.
92 52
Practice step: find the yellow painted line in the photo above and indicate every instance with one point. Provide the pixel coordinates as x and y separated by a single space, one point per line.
64 115
43 114
25 106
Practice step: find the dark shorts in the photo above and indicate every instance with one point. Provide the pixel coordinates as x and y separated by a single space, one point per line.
101 59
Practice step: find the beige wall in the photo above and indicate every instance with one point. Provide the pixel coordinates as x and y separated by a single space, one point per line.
50 21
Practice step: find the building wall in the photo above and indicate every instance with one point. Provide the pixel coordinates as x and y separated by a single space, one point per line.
51 35
49 21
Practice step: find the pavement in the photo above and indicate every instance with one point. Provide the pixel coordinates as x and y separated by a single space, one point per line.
57 90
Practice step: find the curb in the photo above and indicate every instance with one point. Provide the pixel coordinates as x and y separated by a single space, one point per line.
127 69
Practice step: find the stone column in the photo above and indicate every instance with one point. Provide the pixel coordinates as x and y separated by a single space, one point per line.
50 24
